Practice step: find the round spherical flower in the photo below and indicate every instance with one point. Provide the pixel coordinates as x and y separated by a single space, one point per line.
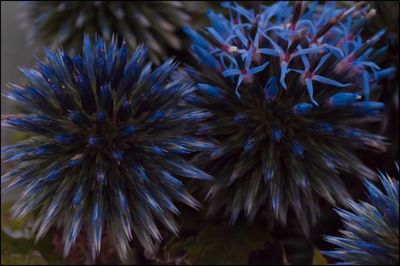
106 150
288 87
65 22
371 235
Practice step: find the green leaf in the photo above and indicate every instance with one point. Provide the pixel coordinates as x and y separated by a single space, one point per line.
318 258
21 136
46 247
220 244
13 224
19 252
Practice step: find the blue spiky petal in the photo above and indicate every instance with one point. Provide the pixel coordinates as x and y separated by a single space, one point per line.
371 235
289 87
106 146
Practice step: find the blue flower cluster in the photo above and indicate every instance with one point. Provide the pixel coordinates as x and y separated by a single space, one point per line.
372 229
107 145
271 117
250 40
289 89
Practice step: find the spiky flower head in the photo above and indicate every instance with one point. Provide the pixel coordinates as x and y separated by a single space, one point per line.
63 23
371 235
288 87
106 145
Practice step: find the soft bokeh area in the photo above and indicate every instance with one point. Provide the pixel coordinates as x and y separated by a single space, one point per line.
15 53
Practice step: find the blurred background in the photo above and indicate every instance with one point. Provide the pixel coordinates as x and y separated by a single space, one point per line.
15 53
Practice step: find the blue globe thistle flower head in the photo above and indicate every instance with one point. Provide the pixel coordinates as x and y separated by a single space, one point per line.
106 145
371 234
289 89
63 23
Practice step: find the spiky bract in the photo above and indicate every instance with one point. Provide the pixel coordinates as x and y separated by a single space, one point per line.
106 145
288 87
371 235
63 23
